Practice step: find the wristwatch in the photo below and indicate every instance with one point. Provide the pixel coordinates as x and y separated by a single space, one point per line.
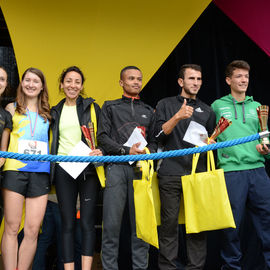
122 151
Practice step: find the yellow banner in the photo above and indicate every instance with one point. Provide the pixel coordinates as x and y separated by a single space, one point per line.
101 37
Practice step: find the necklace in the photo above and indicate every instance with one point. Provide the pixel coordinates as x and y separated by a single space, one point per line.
32 131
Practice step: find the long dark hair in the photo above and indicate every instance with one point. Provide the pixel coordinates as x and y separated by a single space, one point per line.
66 71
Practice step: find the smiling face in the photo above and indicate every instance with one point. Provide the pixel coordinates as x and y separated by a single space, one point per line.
72 85
31 85
238 81
191 83
3 81
131 82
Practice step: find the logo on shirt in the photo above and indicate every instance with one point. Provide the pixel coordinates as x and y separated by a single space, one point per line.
199 110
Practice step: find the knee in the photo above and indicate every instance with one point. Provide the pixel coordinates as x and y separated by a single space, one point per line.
12 228
170 224
31 231
68 226
112 229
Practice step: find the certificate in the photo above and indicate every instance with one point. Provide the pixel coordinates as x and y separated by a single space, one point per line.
74 169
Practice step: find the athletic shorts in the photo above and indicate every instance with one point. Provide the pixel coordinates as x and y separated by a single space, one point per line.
28 184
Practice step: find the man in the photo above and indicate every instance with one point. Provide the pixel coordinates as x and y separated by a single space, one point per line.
245 175
118 120
174 115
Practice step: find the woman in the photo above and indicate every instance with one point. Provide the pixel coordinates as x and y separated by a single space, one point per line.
26 180
5 117
67 118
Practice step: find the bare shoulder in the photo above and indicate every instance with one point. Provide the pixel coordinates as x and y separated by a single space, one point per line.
10 108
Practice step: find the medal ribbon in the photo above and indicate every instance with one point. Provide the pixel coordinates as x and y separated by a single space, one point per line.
32 131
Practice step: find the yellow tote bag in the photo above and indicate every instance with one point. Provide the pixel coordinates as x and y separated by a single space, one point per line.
156 197
146 224
206 201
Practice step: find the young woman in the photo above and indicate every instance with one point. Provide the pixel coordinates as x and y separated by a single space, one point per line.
5 117
67 118
26 180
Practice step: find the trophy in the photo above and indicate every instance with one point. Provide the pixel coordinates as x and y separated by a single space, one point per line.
263 111
222 124
92 134
89 135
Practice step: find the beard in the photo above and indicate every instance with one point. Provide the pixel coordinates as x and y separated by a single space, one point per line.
191 92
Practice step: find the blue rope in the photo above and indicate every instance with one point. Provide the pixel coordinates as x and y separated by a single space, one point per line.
154 156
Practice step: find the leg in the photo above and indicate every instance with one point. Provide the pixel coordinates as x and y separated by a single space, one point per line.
34 213
139 248
88 190
87 262
259 202
237 187
196 250
170 191
44 239
114 199
13 205
78 246
67 193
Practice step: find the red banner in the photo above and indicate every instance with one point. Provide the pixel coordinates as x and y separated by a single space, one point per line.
250 16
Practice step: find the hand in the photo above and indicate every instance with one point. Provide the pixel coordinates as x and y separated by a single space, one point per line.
134 150
96 152
185 111
262 149
210 141
2 161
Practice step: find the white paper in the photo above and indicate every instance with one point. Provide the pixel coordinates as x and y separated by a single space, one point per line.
75 168
196 134
135 137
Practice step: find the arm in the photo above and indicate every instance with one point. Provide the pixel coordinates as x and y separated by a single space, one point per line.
10 108
184 113
151 139
4 144
165 127
104 134
5 139
211 123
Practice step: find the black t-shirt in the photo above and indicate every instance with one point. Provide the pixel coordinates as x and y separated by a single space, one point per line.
5 120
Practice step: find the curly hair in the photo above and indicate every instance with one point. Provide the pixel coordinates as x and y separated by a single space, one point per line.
66 71
43 97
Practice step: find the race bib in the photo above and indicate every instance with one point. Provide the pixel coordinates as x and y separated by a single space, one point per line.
32 147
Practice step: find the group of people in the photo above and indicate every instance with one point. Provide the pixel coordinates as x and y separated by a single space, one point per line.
25 126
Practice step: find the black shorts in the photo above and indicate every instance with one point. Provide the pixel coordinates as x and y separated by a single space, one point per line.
28 184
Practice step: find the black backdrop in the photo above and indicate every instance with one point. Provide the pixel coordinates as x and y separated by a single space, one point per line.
212 42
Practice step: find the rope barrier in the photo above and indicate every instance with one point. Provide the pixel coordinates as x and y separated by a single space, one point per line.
153 156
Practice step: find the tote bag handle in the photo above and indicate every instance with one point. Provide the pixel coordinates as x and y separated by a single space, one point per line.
210 162
147 168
